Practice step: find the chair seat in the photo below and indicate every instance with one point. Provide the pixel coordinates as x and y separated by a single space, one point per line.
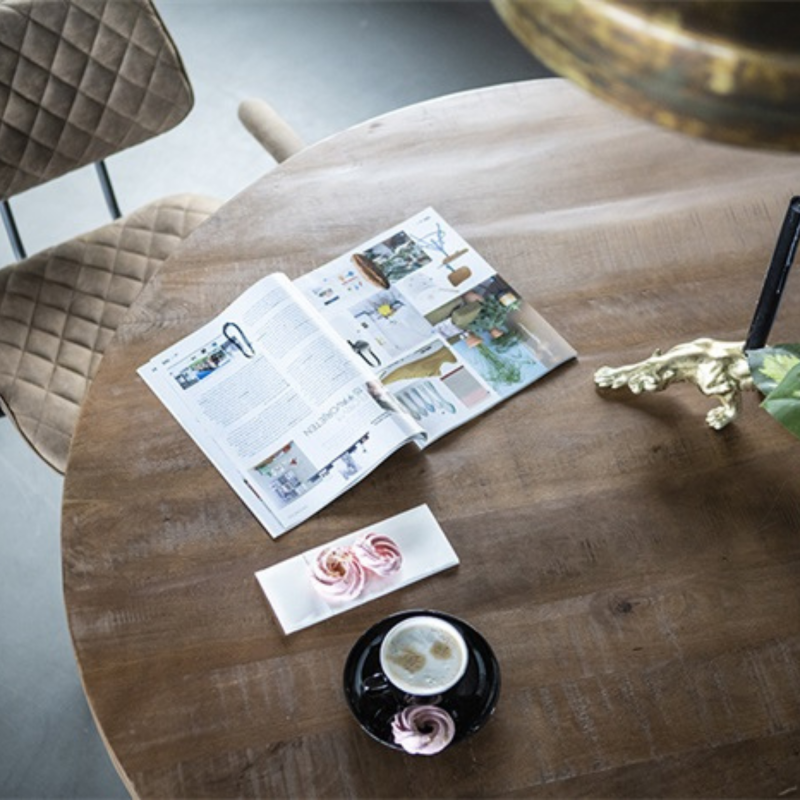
60 308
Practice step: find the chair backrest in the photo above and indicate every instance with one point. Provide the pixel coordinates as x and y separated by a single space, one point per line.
80 80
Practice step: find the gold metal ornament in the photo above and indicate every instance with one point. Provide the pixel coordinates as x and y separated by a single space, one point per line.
727 70
718 369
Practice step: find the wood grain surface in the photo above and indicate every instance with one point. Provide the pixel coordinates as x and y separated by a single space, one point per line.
637 574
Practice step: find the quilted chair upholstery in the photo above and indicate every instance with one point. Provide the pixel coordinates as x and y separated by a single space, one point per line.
60 308
80 80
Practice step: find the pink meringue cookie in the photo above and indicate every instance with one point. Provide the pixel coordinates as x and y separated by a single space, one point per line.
337 573
423 730
378 553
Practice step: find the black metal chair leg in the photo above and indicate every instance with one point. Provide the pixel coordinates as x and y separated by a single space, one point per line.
12 231
108 189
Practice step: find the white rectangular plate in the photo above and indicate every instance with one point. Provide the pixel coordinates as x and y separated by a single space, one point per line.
297 604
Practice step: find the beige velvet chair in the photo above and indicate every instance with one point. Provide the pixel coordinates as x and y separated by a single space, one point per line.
79 81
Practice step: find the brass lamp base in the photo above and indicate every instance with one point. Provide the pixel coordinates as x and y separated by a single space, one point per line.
718 369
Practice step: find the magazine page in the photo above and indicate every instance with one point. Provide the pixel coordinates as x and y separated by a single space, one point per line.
284 410
446 335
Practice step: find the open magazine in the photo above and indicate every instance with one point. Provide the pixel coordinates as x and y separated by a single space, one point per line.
297 390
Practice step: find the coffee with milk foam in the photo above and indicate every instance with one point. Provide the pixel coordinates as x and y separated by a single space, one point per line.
424 655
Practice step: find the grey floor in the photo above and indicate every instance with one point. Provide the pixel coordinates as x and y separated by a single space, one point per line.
326 65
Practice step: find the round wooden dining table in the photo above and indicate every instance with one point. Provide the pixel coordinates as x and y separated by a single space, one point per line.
636 573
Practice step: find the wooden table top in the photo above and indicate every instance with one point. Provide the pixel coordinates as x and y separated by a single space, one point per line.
636 573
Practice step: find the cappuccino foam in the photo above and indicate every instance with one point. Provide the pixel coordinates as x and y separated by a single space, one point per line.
423 655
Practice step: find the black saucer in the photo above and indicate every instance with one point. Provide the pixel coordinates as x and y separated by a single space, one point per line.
374 701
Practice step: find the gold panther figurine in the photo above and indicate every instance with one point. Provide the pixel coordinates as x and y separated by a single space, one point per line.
718 369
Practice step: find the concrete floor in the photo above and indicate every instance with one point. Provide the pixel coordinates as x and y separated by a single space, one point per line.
325 65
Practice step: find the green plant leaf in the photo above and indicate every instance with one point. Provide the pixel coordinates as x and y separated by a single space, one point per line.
770 365
783 402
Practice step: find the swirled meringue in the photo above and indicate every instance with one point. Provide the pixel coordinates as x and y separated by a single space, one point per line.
337 573
423 730
378 553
